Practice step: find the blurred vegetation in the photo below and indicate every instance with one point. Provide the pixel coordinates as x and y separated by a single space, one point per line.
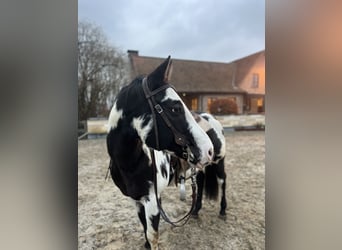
102 70
223 107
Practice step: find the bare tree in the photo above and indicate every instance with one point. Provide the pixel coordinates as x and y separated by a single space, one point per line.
102 70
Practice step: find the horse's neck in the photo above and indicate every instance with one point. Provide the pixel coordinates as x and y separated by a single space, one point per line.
132 151
129 147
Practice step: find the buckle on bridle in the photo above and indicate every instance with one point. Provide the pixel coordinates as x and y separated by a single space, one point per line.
158 108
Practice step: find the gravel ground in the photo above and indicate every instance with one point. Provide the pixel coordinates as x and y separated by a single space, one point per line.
108 220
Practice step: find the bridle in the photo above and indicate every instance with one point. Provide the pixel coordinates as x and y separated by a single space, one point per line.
180 139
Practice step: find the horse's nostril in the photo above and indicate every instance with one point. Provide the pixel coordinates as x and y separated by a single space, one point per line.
210 152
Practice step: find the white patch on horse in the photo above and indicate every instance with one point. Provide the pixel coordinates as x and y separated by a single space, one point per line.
151 209
201 138
147 152
162 159
114 118
150 202
137 124
220 181
204 124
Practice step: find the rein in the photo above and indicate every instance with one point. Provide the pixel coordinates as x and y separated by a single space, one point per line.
179 139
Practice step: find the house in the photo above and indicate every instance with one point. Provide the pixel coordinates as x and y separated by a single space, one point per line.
199 83
250 76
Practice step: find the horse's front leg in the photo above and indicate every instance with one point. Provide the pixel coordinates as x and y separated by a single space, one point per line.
200 183
152 220
142 217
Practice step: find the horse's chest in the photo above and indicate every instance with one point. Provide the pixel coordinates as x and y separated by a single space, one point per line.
163 170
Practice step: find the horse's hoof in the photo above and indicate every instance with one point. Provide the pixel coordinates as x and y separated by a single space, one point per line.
147 245
195 216
223 216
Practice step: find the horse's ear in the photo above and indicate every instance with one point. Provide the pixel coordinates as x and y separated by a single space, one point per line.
168 71
163 72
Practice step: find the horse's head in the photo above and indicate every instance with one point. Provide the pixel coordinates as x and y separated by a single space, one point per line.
160 118
214 130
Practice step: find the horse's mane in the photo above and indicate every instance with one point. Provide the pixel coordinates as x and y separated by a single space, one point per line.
131 89
132 84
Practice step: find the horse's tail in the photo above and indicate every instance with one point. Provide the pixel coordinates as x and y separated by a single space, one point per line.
211 184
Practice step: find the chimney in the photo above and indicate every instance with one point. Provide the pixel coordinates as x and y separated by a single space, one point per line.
133 52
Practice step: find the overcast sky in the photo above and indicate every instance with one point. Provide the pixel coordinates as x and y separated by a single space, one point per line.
207 30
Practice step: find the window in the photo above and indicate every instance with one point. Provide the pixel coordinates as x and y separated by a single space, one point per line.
194 104
210 100
255 80
260 104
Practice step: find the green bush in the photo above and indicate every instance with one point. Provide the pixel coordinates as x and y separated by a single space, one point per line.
223 107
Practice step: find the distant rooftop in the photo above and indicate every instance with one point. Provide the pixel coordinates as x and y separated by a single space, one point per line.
189 75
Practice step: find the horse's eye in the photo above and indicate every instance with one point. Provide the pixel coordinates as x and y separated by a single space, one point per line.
176 109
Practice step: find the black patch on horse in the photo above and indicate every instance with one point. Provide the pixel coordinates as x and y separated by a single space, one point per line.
129 168
205 117
216 142
163 170
210 182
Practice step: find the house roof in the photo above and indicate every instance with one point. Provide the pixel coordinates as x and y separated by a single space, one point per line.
190 76
244 64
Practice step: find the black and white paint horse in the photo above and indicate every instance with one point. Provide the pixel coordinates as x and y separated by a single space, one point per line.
132 133
213 175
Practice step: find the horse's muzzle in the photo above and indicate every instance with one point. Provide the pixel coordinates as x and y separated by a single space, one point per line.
203 158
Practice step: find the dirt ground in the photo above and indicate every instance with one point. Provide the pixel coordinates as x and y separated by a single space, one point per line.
108 220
